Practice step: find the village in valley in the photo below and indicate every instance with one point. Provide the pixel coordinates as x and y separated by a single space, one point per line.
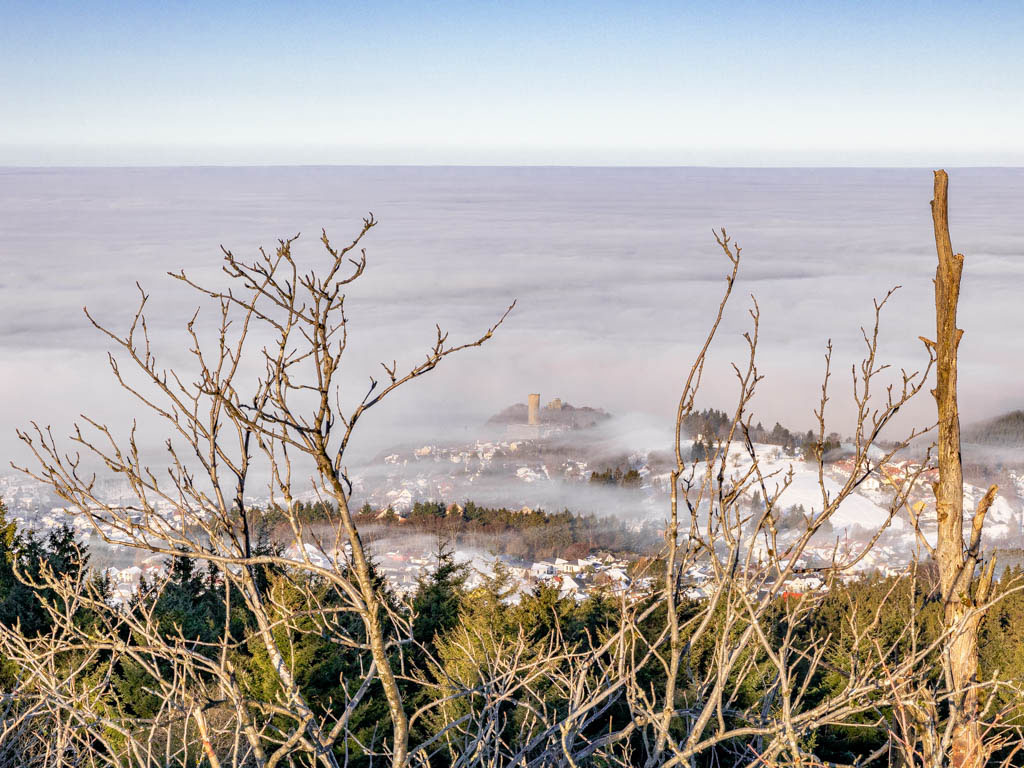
540 462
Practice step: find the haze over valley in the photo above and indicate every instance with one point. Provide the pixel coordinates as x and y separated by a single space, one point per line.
615 272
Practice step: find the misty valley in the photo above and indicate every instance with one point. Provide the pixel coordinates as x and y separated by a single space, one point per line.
547 501
238 562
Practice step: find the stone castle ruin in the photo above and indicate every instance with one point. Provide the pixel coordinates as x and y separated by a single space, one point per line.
524 421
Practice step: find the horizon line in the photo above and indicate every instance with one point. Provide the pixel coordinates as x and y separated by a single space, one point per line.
487 166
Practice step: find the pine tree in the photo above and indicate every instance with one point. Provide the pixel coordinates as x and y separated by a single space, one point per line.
439 595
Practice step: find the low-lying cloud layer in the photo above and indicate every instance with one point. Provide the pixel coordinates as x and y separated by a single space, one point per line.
615 271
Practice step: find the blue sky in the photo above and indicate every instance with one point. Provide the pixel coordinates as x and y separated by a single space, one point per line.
729 83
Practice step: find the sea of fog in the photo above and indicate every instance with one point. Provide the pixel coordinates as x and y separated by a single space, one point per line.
615 272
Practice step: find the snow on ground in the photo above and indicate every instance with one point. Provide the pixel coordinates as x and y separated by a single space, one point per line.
1002 523
856 511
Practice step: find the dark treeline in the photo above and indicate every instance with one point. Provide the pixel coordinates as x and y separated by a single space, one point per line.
525 533
1006 431
628 478
709 426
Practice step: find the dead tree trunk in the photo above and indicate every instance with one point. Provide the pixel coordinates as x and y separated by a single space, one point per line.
957 564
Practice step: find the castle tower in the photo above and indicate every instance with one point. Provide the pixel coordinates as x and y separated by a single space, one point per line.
534 409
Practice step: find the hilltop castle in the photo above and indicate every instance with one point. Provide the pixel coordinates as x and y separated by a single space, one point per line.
528 421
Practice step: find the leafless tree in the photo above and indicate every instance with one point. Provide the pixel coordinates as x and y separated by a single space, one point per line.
220 426
747 626
715 525
959 741
716 662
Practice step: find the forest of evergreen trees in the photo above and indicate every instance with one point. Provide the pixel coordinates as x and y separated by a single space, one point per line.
1006 431
708 426
456 628
523 533
526 534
